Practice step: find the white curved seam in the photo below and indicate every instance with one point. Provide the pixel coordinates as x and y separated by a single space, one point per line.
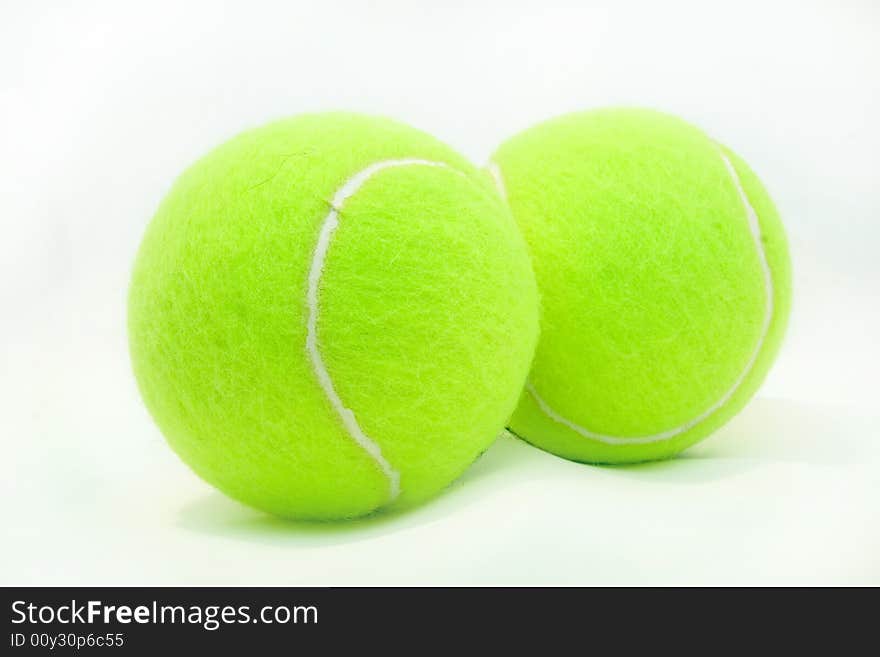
325 236
755 230
495 172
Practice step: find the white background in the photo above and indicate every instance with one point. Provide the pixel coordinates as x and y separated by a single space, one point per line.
102 104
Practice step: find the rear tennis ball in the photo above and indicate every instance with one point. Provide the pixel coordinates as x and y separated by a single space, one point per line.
664 277
331 314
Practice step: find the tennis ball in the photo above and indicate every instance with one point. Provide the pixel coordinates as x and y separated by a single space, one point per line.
331 314
664 278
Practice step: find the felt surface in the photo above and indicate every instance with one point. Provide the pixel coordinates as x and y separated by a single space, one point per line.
427 324
652 289
106 103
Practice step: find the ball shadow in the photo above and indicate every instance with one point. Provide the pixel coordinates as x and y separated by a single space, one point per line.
214 514
768 431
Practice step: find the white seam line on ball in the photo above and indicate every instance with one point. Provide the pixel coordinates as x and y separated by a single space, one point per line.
495 172
755 230
328 227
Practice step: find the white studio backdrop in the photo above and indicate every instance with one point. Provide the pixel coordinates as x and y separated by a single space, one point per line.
102 104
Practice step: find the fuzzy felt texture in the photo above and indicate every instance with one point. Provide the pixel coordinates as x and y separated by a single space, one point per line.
426 316
662 309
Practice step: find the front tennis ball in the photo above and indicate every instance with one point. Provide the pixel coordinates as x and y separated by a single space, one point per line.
331 314
664 278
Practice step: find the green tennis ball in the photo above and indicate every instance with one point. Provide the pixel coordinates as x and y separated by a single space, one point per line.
664 277
331 314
